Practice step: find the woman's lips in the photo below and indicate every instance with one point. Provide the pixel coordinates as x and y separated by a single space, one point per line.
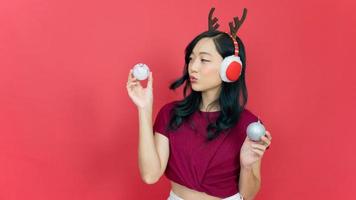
193 79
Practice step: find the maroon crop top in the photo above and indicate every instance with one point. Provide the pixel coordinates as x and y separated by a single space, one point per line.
212 167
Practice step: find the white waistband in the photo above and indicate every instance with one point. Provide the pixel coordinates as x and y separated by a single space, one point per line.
173 196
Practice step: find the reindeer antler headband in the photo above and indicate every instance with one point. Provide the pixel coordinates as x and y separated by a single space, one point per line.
213 25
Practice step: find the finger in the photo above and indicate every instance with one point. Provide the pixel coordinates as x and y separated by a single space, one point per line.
248 139
131 85
258 146
133 79
130 82
258 152
130 76
265 141
150 80
268 134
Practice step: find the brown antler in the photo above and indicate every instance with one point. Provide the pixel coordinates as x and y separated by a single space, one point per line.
211 22
238 23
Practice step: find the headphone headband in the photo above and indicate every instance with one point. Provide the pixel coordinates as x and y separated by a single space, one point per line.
235 45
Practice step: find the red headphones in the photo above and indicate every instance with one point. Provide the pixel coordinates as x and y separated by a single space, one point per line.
231 66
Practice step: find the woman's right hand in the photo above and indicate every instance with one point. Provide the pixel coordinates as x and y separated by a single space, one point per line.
142 97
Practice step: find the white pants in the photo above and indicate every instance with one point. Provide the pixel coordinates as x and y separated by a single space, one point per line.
173 196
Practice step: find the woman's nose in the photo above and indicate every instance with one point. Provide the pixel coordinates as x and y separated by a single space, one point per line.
194 66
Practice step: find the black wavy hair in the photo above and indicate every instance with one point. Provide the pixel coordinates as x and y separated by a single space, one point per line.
233 96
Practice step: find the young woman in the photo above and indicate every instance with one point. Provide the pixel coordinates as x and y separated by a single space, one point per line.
200 142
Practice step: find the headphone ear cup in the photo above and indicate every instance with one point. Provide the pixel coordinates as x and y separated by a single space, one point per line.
230 69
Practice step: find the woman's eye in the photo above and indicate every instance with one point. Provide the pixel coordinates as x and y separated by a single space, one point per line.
204 60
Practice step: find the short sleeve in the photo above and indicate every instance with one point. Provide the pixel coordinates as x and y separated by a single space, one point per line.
258 119
253 118
162 120
248 118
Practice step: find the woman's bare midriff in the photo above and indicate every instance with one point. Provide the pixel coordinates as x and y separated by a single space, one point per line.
189 194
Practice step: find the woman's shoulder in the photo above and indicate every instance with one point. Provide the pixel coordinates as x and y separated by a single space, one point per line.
249 112
169 104
248 116
167 107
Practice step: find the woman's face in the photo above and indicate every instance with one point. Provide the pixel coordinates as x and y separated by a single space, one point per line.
204 66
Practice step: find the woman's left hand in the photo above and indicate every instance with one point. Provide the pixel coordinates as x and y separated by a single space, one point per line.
252 151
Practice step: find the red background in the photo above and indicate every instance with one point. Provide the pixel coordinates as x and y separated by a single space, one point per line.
68 129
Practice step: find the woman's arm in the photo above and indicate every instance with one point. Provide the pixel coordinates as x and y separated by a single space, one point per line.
153 149
250 161
148 155
250 181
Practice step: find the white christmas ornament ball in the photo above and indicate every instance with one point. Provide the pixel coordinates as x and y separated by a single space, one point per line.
141 71
255 131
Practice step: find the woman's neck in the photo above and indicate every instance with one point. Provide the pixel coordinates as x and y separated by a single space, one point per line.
209 97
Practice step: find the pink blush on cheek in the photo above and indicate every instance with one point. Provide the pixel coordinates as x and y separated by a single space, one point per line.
210 74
